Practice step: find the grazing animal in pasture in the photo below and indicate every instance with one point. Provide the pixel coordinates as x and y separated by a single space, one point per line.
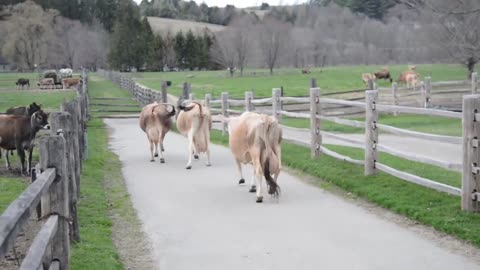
412 80
17 132
155 121
69 82
22 82
195 122
367 77
383 74
47 83
255 139
306 71
403 76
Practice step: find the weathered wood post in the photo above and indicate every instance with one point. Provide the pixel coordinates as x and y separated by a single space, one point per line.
371 84
78 136
313 83
225 111
395 96
428 92
315 127
164 92
52 155
276 103
63 122
186 90
191 96
248 101
208 98
371 131
474 83
471 154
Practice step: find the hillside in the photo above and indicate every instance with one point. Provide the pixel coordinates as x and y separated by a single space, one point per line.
163 25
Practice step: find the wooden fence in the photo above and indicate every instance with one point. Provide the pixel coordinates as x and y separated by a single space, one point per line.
370 105
470 167
54 191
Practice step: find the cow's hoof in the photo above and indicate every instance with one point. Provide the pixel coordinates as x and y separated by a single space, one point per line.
241 181
252 189
208 164
152 160
163 149
156 155
162 160
189 167
195 157
259 199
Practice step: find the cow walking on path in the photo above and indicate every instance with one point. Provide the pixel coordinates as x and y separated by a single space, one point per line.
255 139
155 121
195 122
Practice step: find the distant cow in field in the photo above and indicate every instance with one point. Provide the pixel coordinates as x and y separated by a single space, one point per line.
46 83
69 82
383 74
17 132
22 82
66 72
306 71
411 80
194 121
255 139
403 76
155 121
367 77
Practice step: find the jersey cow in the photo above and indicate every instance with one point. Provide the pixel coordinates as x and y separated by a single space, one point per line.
155 121
69 82
255 139
17 132
195 122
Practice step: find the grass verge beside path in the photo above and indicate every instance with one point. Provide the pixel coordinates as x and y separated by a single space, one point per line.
10 189
429 207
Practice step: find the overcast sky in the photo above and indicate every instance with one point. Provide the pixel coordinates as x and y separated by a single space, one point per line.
246 3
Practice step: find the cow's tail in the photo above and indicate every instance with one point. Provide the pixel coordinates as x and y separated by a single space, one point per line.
266 153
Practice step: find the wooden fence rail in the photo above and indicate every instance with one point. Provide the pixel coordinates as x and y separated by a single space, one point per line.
55 186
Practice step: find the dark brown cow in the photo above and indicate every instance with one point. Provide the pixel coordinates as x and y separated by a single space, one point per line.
22 82
383 74
18 132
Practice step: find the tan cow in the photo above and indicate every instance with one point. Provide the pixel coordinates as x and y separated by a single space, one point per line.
69 82
255 139
403 76
412 80
195 122
155 121
367 77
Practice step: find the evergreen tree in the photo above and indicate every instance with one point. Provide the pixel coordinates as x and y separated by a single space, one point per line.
191 51
180 49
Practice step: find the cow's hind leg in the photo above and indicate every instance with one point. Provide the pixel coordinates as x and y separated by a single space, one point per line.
258 176
21 154
253 187
152 159
190 150
239 166
7 161
162 135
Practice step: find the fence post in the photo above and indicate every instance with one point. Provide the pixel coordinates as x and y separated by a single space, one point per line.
225 110
471 154
276 103
428 92
474 83
248 101
186 90
371 132
52 155
371 84
315 110
63 121
164 92
313 83
208 97
191 96
395 96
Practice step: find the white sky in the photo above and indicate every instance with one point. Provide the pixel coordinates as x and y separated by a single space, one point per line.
246 3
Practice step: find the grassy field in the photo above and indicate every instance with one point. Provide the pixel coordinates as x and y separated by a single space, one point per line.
8 80
329 79
438 210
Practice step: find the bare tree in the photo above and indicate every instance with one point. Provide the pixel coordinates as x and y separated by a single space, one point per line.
241 27
28 31
272 39
223 51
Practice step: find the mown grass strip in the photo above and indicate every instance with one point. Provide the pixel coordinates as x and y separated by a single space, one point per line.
429 207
